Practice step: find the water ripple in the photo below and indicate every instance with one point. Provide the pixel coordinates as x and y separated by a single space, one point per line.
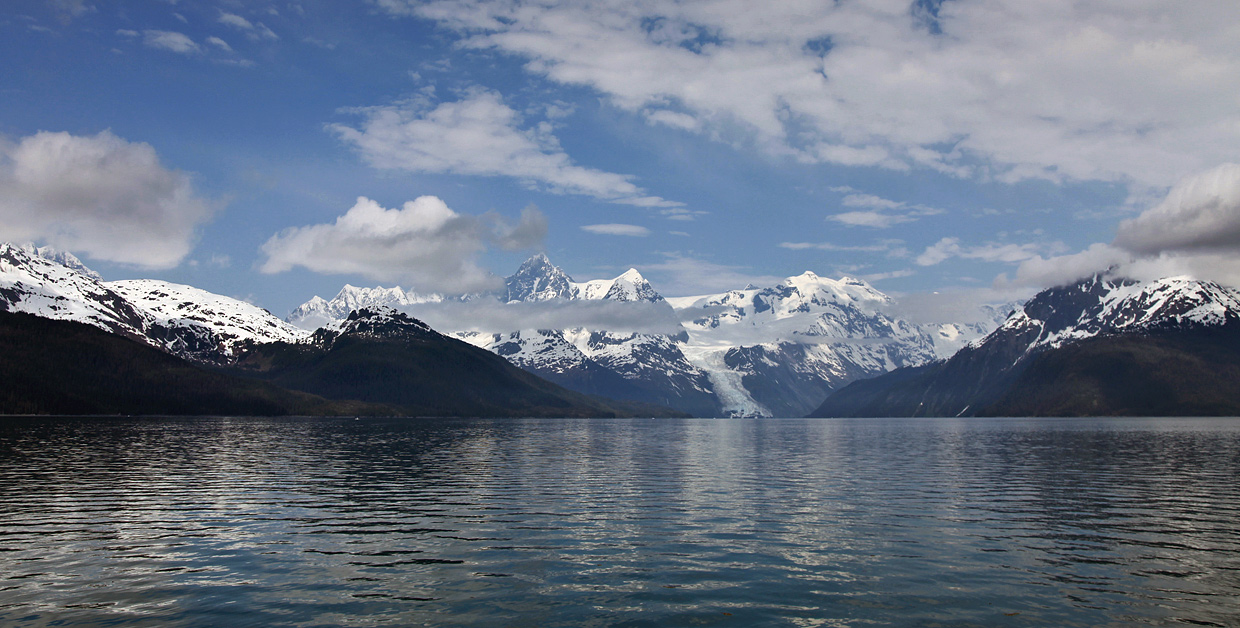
259 522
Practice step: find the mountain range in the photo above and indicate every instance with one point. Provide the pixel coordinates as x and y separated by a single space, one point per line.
1106 345
756 351
1102 346
73 343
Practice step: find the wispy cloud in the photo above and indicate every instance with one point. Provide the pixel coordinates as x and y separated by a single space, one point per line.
480 135
948 248
492 316
169 40
617 230
252 30
878 212
682 275
893 248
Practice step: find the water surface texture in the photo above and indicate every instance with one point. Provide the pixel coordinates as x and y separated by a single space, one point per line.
260 522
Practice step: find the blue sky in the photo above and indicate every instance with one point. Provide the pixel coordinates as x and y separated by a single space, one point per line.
977 148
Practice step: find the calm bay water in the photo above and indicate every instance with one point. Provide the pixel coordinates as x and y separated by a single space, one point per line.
260 522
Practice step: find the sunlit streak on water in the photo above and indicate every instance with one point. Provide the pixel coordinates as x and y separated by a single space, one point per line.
206 522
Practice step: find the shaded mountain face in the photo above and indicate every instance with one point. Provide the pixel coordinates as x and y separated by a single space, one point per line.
66 367
380 355
758 351
1098 347
181 320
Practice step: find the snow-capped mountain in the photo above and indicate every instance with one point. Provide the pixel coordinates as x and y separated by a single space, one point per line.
631 366
218 319
182 320
318 311
1100 306
378 322
1096 317
539 280
779 350
758 351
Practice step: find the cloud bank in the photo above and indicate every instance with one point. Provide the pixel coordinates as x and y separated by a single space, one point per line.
491 316
1201 213
424 245
1194 231
99 196
480 135
1116 90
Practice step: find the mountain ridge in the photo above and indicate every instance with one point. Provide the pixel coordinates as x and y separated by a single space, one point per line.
1024 365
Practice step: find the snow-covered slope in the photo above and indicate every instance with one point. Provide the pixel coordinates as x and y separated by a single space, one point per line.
34 284
221 321
779 350
1099 306
182 320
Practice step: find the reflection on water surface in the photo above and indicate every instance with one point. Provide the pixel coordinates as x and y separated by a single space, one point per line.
209 522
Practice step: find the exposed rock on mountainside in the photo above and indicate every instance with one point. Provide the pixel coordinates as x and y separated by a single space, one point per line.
1098 347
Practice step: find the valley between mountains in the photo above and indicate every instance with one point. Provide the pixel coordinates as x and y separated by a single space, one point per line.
807 345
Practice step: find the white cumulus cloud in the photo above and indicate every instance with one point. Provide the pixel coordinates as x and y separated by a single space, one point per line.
424 244
480 135
100 196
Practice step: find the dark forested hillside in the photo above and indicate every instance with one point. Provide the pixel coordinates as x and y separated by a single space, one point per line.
387 357
1192 372
62 367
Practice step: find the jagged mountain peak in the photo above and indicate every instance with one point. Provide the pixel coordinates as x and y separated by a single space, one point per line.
631 275
538 280
628 286
353 293
632 286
